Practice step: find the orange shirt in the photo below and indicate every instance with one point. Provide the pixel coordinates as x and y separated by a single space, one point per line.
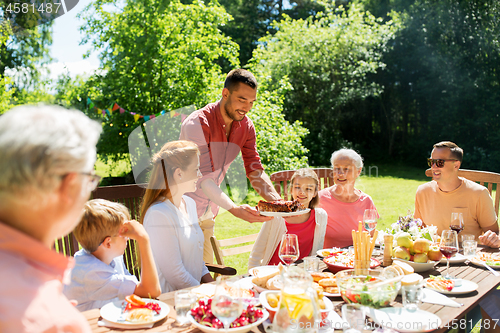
434 206
343 217
31 287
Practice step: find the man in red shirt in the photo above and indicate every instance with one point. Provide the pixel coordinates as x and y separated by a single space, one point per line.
222 130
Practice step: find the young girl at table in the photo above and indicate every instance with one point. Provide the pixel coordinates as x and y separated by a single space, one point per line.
309 227
170 217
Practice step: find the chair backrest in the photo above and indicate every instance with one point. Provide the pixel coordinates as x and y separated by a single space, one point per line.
221 253
131 197
281 180
485 178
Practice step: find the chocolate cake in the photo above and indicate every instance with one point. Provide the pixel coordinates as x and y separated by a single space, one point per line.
280 206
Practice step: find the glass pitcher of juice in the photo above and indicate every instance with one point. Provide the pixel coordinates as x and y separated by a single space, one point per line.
298 308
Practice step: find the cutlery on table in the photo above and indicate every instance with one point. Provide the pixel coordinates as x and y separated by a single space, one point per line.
491 269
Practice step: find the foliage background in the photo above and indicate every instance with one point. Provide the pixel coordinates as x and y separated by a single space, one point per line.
388 78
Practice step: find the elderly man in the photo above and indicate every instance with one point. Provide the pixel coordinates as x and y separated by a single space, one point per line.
47 157
222 130
447 193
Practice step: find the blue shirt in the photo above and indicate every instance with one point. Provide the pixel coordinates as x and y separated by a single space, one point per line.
93 283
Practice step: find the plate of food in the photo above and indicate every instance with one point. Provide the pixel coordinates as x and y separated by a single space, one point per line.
135 311
209 323
456 259
266 277
344 259
323 253
490 259
450 286
281 208
325 283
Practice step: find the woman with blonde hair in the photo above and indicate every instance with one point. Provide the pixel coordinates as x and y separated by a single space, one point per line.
344 204
170 217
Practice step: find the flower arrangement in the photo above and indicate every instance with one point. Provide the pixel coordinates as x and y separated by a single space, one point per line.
415 227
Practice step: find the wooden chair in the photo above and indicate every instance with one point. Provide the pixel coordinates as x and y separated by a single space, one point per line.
485 178
221 253
281 180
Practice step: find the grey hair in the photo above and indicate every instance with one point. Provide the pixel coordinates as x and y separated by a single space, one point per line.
356 159
39 145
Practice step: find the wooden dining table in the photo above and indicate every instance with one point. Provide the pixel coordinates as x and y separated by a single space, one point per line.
451 317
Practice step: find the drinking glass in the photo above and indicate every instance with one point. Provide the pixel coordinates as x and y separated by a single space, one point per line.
448 247
469 248
354 316
370 219
412 296
289 249
226 304
457 222
184 301
311 264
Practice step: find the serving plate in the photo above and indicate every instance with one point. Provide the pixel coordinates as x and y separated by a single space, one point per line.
491 259
323 253
112 312
283 214
465 288
334 268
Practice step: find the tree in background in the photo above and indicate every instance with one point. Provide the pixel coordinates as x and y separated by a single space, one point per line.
158 55
155 55
22 54
441 82
329 61
253 19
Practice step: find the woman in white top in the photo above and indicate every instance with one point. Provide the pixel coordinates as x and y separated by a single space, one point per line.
170 217
310 227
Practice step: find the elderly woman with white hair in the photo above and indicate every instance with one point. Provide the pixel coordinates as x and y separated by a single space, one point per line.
47 156
344 204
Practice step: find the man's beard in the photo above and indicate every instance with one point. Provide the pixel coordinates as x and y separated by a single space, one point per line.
233 114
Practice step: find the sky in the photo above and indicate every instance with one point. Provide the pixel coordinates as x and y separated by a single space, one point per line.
65 48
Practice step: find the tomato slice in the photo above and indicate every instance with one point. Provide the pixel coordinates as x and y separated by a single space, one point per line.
135 300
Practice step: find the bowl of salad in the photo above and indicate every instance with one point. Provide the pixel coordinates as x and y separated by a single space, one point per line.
343 260
367 289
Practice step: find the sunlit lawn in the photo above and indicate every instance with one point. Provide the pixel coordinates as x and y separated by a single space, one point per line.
392 189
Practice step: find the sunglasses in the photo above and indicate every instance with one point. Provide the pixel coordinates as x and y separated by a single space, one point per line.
439 162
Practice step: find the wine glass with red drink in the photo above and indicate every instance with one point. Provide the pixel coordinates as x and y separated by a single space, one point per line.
448 247
457 222
289 249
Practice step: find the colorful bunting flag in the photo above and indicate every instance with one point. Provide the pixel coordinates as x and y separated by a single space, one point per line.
115 106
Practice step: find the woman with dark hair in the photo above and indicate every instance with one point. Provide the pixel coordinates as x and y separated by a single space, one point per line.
170 217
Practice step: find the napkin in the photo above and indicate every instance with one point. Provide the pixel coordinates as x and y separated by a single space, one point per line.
433 297
106 323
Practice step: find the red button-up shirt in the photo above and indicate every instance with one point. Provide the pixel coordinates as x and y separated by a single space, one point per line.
207 129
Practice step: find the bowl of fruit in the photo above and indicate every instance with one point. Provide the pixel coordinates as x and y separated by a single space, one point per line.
202 317
270 300
367 289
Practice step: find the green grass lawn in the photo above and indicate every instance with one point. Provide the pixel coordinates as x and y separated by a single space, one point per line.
392 188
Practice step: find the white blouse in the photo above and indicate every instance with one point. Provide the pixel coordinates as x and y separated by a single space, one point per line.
177 244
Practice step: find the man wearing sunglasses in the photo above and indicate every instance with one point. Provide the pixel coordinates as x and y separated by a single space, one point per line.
435 201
